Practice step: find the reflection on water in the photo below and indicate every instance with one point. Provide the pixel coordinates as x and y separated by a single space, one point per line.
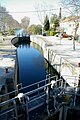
31 64
32 68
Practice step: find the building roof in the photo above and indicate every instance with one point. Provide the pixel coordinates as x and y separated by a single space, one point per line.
70 18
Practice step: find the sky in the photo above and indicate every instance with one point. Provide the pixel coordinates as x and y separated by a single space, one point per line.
20 8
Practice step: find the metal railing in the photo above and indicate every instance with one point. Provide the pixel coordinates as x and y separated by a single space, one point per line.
11 106
23 103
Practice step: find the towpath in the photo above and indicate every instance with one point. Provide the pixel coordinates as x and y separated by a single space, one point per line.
7 58
61 55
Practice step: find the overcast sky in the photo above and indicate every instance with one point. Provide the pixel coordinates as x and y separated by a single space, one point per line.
20 8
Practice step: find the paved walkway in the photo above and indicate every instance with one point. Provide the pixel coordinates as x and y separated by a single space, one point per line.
62 56
60 52
64 48
7 58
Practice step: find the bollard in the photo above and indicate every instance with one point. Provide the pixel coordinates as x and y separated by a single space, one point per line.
7 70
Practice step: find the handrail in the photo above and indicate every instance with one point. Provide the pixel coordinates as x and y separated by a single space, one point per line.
37 98
71 76
12 109
28 86
13 100
8 101
30 92
37 82
40 88
22 88
9 93
46 93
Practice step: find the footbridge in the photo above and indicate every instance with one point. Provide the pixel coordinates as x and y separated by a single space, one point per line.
52 95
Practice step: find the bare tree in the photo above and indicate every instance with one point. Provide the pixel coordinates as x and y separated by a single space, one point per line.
73 8
43 10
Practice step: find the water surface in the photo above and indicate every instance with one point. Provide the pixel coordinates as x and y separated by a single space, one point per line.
31 64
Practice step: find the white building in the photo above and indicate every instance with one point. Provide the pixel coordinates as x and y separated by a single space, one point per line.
68 25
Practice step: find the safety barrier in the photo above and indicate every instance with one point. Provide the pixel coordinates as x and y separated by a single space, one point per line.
45 90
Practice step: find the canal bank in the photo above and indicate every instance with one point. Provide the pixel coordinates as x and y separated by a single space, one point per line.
30 65
7 62
61 56
53 96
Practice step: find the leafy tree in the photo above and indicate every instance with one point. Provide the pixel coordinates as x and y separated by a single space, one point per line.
53 17
55 21
38 29
32 29
46 23
35 29
11 32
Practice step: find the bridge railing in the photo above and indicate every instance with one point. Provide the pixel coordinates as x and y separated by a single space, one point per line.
10 106
14 107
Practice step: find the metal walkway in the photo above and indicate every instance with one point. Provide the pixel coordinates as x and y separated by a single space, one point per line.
52 92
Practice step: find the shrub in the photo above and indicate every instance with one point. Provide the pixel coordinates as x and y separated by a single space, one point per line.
52 33
11 32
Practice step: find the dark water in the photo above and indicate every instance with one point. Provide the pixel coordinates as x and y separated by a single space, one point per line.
31 64
32 68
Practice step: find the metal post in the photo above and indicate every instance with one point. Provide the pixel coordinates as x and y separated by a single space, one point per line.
65 112
61 112
49 79
73 43
27 111
61 83
75 32
17 89
60 38
60 67
55 102
15 108
74 99
56 77
48 59
74 95
47 100
38 87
